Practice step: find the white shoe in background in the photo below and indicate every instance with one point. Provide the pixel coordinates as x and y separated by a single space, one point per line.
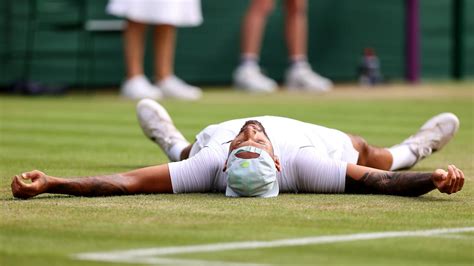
139 87
250 78
302 77
173 87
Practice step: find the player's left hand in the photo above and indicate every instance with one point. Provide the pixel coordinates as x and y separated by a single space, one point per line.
450 181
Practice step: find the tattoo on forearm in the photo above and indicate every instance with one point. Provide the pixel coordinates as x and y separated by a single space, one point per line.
391 183
92 186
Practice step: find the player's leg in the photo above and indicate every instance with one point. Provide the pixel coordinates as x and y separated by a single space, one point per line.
158 126
248 76
371 156
432 137
186 152
170 85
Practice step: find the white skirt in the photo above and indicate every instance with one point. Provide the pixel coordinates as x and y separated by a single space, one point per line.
169 12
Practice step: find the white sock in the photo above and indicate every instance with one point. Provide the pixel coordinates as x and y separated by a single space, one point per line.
249 60
174 154
298 61
403 157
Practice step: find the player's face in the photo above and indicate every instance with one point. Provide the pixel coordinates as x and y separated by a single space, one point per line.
252 134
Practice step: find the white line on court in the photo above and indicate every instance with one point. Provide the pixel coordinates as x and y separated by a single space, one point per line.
151 255
174 262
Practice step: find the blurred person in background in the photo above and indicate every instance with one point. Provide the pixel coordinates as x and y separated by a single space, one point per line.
299 75
165 16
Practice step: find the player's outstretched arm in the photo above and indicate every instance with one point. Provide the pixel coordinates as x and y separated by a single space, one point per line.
154 179
360 179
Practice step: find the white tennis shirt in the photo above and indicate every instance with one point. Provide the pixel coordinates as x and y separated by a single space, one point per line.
313 158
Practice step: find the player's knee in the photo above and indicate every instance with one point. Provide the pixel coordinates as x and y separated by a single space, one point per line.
365 147
362 147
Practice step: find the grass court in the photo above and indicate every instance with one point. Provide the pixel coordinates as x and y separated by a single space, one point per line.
93 133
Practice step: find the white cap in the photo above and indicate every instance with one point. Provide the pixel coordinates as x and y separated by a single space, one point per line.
255 177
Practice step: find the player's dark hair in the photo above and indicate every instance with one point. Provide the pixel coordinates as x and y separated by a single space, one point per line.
255 122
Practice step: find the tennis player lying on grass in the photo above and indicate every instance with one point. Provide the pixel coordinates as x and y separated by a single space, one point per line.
265 156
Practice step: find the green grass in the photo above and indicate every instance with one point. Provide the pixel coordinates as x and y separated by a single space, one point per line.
92 134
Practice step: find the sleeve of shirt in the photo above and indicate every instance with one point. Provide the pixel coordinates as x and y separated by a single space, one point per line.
318 174
196 174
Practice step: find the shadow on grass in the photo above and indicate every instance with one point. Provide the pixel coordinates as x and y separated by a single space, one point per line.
219 195
41 197
422 198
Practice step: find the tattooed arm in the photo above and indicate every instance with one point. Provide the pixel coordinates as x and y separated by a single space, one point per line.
155 179
364 180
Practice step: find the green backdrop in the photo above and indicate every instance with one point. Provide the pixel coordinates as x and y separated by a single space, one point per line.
48 41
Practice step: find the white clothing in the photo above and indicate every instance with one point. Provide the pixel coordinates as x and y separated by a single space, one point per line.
313 158
169 12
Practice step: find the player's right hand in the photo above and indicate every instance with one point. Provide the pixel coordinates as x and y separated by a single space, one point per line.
23 190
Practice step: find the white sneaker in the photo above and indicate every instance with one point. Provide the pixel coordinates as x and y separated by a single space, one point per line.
433 135
250 78
302 77
139 87
157 125
173 87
